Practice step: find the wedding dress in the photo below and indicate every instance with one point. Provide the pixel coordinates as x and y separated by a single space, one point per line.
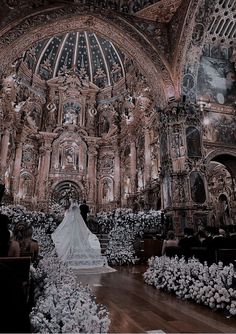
75 244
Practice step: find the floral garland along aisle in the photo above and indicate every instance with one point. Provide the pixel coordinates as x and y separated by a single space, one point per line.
61 305
58 306
213 286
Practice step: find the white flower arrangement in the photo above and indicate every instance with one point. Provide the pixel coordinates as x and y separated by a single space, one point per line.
150 220
61 305
126 227
213 286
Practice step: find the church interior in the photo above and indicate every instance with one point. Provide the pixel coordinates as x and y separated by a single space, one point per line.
127 104
122 103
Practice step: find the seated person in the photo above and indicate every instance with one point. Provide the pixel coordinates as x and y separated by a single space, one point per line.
23 234
31 244
8 246
202 238
170 241
220 240
188 241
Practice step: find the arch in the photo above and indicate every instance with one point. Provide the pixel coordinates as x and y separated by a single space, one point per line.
60 19
218 152
77 184
63 190
191 41
226 158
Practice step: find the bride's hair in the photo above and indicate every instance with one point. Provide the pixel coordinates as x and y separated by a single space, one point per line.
74 205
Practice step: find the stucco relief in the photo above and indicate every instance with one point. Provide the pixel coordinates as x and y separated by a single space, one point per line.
106 164
162 11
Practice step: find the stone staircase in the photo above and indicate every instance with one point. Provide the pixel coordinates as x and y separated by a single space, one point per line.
103 238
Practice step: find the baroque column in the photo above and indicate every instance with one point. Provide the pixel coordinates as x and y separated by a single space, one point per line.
117 175
92 173
147 165
4 151
17 167
133 167
44 165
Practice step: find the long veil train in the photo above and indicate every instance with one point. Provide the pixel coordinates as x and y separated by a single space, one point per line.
75 244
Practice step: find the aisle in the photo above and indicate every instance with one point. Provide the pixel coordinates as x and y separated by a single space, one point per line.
138 308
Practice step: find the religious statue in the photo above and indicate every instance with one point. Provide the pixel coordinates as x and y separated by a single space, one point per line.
51 116
106 195
69 155
70 117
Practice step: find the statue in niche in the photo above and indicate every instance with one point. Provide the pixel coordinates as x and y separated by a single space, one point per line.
7 180
104 124
193 142
69 155
26 186
140 180
31 121
224 214
70 117
128 108
107 194
51 116
198 193
177 145
35 115
92 111
127 185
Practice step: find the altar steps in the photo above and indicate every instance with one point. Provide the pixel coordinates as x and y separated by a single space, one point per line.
103 238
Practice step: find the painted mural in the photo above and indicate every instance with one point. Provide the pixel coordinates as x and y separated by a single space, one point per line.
219 128
216 76
193 142
198 193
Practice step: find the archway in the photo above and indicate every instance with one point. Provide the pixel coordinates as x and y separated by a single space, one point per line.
63 191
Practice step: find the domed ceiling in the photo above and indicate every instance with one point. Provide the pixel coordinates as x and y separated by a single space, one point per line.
96 59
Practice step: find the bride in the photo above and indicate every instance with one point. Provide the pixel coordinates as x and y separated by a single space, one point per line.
75 244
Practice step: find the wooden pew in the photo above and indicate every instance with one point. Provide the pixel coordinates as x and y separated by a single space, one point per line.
14 292
151 247
171 251
226 255
16 269
199 253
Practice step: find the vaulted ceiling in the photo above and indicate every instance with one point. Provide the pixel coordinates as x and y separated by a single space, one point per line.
165 37
91 55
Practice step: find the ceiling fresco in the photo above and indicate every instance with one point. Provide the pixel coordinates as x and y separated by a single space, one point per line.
89 54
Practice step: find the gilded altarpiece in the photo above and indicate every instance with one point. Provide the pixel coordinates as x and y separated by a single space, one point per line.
184 187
